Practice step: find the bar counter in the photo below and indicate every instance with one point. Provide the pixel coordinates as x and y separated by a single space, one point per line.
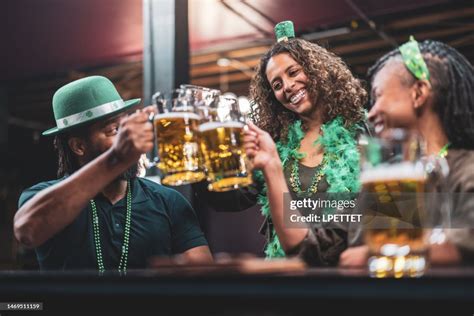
446 291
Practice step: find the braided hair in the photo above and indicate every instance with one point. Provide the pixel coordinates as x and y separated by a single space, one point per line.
452 81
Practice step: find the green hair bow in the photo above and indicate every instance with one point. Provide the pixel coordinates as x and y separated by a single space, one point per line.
413 59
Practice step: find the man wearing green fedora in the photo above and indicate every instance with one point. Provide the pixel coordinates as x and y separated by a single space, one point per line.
98 214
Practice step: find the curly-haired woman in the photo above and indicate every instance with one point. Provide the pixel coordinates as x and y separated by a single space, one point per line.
308 108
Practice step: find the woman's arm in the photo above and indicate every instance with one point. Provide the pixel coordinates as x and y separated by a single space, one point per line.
261 149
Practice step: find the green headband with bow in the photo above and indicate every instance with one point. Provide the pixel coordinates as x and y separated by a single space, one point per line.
413 59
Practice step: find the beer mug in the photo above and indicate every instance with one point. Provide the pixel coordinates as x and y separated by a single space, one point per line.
176 131
398 209
201 97
226 163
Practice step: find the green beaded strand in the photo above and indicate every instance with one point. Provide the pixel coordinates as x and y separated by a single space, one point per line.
444 151
126 236
295 182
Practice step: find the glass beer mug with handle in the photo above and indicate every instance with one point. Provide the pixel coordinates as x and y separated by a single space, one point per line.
176 132
200 96
399 209
222 146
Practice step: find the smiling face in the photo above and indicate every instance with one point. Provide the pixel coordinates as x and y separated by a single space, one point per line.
289 84
392 97
99 138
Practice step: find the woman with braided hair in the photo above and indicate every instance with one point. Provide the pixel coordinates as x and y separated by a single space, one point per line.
431 92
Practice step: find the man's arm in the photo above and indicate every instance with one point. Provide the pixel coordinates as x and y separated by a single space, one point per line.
52 209
200 254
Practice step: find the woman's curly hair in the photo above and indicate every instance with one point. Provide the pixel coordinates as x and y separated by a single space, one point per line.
330 83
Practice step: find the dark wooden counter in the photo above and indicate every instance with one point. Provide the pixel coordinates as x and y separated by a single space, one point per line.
447 291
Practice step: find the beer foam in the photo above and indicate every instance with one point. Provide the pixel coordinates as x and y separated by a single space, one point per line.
188 115
405 170
213 125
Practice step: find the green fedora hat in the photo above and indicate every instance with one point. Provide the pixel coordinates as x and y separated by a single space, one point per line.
84 101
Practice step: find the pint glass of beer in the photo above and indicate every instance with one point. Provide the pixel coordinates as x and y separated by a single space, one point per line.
395 221
176 129
221 142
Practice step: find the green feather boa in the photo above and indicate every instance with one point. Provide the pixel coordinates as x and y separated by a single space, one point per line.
341 170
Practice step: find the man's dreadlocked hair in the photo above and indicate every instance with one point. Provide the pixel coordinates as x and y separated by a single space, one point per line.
452 81
67 161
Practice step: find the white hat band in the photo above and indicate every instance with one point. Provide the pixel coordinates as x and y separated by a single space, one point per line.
90 114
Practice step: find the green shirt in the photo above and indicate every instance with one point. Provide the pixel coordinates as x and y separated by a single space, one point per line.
163 223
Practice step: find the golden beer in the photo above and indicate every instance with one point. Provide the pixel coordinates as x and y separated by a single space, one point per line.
394 229
225 159
178 147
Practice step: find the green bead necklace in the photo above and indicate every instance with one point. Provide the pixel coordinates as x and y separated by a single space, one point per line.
444 151
126 236
295 181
